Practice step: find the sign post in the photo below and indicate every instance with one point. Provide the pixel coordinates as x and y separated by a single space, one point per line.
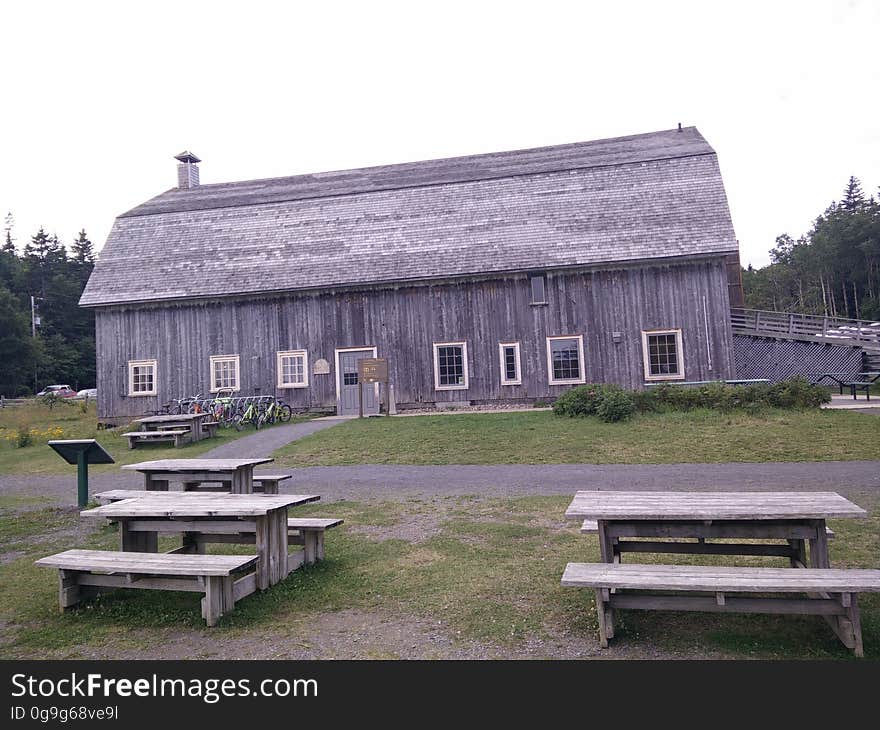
82 452
372 370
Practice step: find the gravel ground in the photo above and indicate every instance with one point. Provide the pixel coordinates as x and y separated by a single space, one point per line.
367 635
371 481
263 443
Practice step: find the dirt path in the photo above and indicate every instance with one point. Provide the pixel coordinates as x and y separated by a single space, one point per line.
263 443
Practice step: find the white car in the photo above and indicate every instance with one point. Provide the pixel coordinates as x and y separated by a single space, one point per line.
90 393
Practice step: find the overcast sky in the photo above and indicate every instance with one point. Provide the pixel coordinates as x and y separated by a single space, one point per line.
97 97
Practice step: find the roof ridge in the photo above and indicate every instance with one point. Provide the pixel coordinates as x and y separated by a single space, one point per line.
448 171
133 214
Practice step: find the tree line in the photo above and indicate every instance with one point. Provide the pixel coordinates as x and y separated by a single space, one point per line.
833 269
61 347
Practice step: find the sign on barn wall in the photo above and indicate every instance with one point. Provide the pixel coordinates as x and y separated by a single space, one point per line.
321 367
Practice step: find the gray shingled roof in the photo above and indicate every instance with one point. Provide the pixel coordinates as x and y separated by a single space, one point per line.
648 196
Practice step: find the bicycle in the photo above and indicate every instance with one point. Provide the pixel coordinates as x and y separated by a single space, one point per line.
277 410
251 414
222 408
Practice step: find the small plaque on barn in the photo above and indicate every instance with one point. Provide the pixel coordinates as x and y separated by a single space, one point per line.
321 367
373 370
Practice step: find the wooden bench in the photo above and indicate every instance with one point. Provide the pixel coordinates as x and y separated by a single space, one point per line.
209 428
833 593
309 532
268 483
84 573
178 436
590 527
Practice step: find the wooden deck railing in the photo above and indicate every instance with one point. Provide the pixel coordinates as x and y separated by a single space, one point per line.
807 326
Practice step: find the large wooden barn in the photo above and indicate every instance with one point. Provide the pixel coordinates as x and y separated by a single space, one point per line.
494 278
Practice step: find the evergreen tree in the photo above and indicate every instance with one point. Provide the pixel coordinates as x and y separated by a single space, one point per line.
83 257
8 241
17 349
834 269
853 197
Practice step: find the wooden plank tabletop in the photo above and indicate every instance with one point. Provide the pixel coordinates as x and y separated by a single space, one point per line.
185 504
116 495
717 578
184 465
171 417
615 505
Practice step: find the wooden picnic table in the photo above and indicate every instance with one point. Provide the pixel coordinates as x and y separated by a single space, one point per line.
191 421
796 517
238 473
259 520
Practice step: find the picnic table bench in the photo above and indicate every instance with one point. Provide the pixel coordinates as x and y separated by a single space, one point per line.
309 532
269 483
835 592
84 573
305 531
235 475
668 522
202 519
177 436
636 521
198 425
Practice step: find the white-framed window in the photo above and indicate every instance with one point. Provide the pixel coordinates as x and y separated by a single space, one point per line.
450 366
293 369
142 377
565 359
224 372
508 354
663 354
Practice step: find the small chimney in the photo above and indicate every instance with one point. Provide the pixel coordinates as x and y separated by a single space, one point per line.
187 170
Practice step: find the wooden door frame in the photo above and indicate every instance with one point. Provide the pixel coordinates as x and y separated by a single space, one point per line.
336 352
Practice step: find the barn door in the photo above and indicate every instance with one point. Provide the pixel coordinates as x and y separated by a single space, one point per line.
347 384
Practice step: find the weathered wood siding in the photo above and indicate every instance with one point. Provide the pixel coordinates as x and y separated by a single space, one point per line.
404 322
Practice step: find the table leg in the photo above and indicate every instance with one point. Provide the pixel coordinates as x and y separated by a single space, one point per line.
137 542
190 544
799 550
195 430
602 615
278 557
264 547
607 544
243 480
819 546
152 483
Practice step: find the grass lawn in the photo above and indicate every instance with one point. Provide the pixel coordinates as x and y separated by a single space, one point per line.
69 421
484 572
543 438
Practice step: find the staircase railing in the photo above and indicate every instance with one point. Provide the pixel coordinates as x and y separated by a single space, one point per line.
803 326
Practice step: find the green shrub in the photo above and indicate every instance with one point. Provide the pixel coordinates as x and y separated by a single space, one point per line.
615 405
23 436
612 403
582 400
797 393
